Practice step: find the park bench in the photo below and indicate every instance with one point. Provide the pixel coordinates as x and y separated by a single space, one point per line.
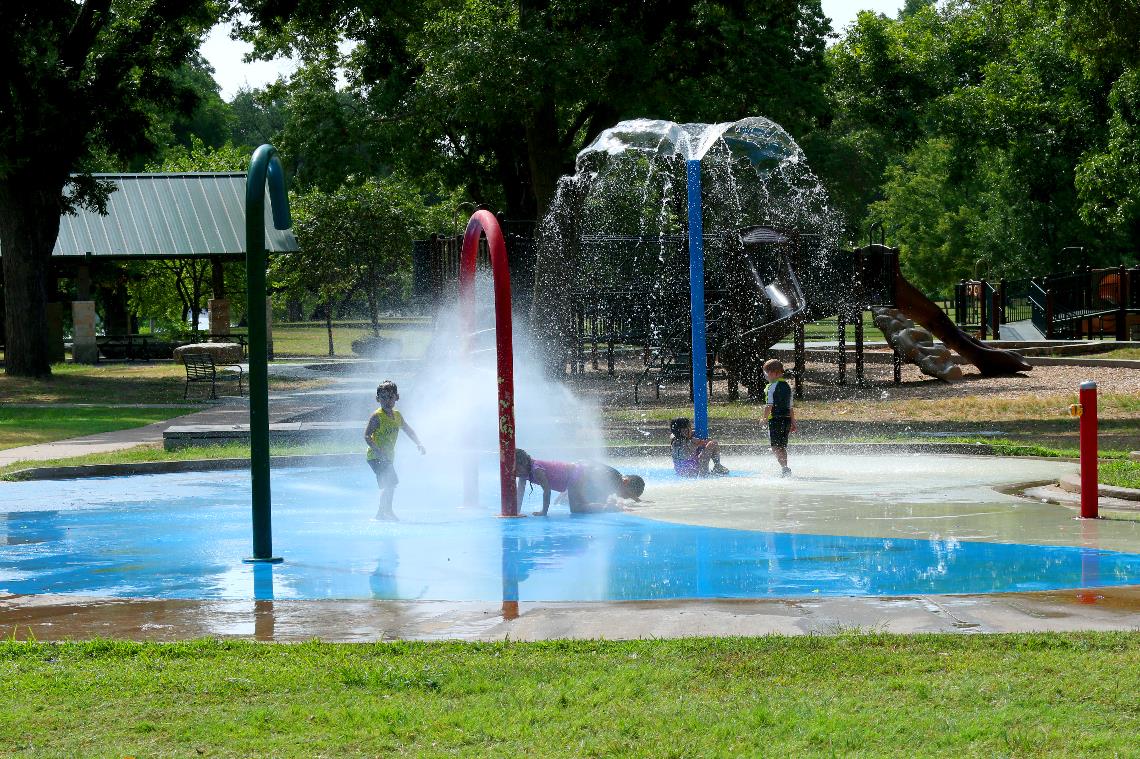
200 367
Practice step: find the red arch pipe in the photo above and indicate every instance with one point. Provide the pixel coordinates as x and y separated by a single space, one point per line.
484 223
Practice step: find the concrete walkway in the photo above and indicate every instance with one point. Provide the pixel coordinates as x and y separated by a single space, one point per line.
231 411
67 617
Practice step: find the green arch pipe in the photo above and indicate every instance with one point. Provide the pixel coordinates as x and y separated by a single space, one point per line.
264 169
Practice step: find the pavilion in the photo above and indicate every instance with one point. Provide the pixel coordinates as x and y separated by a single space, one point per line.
193 215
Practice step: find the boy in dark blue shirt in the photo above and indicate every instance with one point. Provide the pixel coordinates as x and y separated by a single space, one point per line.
781 418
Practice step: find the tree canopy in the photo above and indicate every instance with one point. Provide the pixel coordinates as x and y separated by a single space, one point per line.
78 81
498 96
986 136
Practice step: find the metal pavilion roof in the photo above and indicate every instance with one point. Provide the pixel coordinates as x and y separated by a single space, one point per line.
195 214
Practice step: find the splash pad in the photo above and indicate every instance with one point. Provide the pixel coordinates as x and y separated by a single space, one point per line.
849 529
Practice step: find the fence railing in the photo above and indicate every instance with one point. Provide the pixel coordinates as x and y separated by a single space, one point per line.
1090 303
1040 309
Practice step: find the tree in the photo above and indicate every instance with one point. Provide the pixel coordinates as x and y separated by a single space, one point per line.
205 115
498 96
985 136
258 116
76 80
358 237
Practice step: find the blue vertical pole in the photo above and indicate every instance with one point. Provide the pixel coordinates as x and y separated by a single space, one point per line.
697 302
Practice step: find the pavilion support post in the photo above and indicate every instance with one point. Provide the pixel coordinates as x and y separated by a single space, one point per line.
219 305
800 358
54 311
841 343
84 349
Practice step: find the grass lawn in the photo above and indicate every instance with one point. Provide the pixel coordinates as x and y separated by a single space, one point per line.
156 382
1121 473
28 426
827 329
1123 353
297 339
867 694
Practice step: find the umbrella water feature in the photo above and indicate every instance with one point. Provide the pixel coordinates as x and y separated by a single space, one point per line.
627 188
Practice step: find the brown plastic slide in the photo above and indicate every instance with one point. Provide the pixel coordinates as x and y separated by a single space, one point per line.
990 361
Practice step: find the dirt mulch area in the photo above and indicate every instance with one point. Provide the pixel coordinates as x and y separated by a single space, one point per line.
820 385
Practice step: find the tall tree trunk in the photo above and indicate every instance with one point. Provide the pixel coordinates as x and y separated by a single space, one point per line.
544 154
29 225
328 325
373 306
512 173
555 266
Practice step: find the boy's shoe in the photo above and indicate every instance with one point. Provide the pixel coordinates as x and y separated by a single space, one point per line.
719 468
386 516
786 473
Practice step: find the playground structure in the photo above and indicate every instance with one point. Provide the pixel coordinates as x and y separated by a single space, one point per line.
1087 303
762 283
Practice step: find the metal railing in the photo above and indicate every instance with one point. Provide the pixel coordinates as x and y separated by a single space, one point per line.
1039 308
1086 304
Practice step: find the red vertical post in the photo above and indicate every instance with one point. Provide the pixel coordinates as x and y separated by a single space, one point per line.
1089 484
483 223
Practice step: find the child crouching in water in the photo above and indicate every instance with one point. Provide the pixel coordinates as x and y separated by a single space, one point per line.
778 411
692 455
383 428
590 488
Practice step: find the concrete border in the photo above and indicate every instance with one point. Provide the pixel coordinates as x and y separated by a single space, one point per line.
1072 484
170 467
48 617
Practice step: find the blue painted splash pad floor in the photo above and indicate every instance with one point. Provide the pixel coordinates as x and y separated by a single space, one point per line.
182 536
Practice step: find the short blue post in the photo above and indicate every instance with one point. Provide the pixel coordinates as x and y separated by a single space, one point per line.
697 302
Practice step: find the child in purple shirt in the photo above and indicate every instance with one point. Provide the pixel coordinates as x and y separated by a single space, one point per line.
588 487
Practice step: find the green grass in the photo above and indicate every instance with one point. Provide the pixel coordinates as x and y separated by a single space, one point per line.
29 426
871 695
311 339
145 453
1121 353
1121 473
154 382
827 329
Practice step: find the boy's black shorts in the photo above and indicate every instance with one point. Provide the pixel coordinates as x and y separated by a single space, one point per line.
778 429
385 472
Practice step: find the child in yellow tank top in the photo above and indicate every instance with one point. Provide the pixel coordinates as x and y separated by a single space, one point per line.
383 428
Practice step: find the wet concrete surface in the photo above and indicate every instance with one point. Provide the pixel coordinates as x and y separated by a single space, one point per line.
966 498
48 618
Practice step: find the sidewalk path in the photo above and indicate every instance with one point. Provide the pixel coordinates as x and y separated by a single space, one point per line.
231 411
